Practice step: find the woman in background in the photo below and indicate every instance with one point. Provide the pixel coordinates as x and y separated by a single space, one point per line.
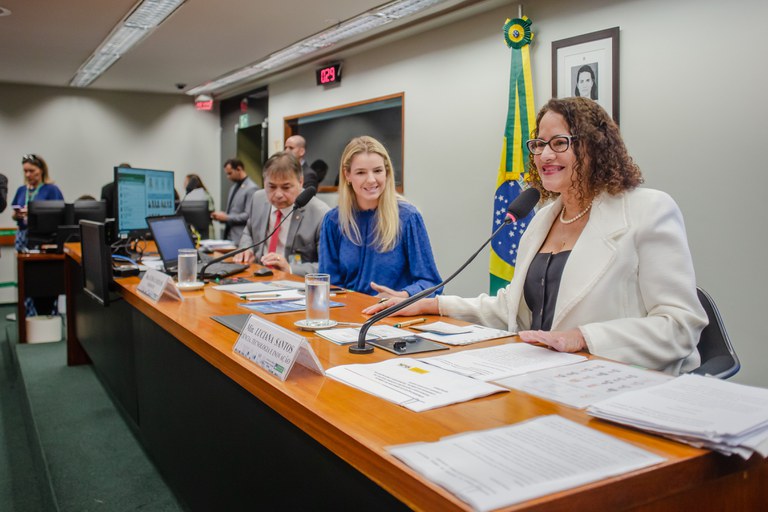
375 242
605 267
37 187
195 190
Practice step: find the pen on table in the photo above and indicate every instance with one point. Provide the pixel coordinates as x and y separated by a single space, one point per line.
251 296
410 322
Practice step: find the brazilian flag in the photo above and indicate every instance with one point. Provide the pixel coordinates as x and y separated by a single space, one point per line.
521 118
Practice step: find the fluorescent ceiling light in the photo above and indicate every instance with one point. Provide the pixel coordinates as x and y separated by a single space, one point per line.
345 30
144 18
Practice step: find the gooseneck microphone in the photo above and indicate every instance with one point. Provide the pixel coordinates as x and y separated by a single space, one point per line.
301 201
519 208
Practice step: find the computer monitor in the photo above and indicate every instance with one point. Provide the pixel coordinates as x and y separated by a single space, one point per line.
141 193
96 261
198 215
43 221
88 209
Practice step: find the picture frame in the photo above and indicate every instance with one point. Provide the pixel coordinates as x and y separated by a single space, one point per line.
588 65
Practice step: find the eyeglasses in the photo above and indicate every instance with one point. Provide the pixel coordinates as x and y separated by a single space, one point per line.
558 144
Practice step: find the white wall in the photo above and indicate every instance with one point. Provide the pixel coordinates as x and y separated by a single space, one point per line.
691 114
83 134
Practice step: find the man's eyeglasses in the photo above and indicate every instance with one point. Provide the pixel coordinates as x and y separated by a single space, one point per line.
558 144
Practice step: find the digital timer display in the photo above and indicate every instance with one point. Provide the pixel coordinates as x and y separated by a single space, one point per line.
330 74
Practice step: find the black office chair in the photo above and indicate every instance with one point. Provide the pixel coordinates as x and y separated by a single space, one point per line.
718 358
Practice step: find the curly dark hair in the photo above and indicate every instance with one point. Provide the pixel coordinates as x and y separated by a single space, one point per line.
597 140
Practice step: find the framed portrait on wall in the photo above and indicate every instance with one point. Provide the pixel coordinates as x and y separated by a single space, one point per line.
588 65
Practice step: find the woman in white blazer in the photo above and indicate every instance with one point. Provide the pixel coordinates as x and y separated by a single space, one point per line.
605 267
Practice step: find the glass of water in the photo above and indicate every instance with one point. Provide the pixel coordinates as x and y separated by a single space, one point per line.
318 288
187 266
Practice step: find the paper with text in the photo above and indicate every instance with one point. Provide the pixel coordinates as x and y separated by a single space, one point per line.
412 384
582 384
155 284
500 467
502 361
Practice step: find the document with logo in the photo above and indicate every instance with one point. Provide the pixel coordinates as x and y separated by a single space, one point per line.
411 383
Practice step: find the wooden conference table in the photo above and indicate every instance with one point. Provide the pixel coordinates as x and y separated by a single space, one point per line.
228 436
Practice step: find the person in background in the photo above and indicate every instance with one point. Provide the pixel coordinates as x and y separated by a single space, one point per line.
586 85
605 267
3 192
37 187
195 190
375 242
238 202
293 247
297 145
320 168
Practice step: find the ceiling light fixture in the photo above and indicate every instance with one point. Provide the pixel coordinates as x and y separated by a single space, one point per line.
4 12
345 30
141 21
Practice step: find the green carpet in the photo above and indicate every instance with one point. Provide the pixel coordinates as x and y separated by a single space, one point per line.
93 459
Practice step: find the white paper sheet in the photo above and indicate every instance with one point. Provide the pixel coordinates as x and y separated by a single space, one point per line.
349 335
412 384
243 288
502 361
469 334
495 468
582 384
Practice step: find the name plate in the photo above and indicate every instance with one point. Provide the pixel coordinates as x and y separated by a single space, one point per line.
274 348
155 284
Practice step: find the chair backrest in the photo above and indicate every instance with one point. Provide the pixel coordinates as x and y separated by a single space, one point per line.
718 358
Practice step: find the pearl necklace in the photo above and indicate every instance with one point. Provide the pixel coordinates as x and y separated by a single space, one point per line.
571 221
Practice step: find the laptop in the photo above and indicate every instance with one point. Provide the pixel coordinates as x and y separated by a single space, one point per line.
171 234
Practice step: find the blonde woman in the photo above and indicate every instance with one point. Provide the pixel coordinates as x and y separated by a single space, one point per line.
375 242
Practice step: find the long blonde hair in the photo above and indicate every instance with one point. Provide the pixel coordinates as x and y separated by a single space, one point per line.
387 228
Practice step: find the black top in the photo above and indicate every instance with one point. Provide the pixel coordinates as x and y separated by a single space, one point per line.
541 286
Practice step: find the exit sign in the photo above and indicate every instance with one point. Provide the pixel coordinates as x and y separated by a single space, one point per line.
328 75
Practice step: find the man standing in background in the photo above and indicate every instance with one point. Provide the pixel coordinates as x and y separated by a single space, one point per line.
238 202
297 145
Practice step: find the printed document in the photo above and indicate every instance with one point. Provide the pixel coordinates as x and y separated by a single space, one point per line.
443 332
495 468
411 383
582 384
502 361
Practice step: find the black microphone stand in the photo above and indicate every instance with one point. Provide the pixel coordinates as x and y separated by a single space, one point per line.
243 249
301 201
363 348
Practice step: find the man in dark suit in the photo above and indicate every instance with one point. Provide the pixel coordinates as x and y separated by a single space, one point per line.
293 248
297 145
238 202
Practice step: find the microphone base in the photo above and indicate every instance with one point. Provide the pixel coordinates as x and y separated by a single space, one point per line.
365 349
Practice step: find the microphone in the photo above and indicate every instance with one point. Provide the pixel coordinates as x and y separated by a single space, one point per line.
519 208
301 201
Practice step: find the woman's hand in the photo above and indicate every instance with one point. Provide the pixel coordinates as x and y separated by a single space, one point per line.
246 257
387 292
276 261
19 213
420 307
562 341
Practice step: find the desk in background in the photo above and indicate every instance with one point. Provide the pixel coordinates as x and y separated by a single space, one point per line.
227 436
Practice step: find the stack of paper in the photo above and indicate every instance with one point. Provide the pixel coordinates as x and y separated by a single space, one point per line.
702 411
496 468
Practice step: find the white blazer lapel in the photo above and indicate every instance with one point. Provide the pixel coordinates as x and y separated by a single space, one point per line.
593 253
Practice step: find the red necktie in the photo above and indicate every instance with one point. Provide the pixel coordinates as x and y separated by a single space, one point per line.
275 237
